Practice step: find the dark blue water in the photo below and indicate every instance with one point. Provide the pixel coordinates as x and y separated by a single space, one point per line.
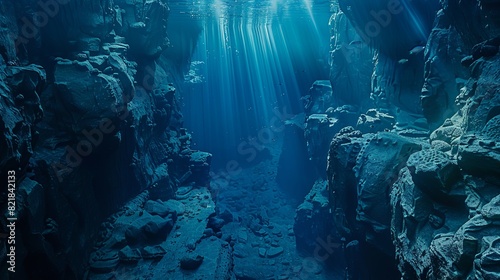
252 61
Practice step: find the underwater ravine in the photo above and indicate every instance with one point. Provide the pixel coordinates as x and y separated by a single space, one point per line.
249 140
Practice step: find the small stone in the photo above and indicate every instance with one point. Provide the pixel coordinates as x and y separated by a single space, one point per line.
191 262
274 252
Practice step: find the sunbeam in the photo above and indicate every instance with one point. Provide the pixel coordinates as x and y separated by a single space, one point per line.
259 62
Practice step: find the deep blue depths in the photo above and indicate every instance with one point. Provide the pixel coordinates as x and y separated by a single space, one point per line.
251 62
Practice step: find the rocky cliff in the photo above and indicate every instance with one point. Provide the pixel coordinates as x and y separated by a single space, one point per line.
413 184
90 120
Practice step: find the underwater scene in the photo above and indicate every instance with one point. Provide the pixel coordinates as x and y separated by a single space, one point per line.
249 139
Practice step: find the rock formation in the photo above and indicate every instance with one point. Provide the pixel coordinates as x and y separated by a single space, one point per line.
413 197
90 120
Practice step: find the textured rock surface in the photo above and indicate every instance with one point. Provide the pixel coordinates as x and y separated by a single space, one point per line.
351 64
91 125
433 172
423 202
361 170
312 218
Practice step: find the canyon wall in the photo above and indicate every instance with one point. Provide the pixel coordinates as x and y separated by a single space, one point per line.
413 170
90 119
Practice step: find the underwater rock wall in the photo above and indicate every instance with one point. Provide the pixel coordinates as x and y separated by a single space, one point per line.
423 200
90 120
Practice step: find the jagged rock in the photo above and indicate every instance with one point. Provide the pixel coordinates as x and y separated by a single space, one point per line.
84 99
318 131
176 206
416 222
441 72
161 187
447 133
91 44
492 128
145 30
483 106
21 109
472 248
200 166
99 61
433 172
10 28
486 262
344 150
351 64
311 218
361 170
45 118
377 165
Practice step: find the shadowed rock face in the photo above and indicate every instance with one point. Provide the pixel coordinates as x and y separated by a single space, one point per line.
434 200
394 27
390 36
88 127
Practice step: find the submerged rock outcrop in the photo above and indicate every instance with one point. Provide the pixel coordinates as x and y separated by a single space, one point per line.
421 196
90 120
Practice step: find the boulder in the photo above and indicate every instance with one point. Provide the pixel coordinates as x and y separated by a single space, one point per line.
433 172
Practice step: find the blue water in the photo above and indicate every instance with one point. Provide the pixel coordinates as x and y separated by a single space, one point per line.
253 60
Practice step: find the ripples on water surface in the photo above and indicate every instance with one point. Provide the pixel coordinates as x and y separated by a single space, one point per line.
252 10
